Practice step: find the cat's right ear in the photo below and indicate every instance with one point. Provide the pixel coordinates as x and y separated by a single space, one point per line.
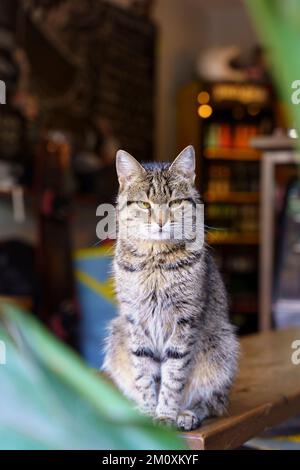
127 167
185 163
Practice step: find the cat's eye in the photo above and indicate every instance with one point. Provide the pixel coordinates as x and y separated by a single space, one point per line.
175 203
143 205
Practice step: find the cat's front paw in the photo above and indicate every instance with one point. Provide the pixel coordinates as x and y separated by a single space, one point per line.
188 421
165 421
147 410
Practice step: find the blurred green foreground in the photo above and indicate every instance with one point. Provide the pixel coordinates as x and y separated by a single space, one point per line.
51 400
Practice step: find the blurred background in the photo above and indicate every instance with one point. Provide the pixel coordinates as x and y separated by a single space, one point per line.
84 78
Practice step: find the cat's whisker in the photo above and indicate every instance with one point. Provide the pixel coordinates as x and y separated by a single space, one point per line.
214 228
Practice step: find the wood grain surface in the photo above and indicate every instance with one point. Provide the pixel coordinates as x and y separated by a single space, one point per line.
266 392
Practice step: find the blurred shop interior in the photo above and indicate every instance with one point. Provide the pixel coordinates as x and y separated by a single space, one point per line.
85 78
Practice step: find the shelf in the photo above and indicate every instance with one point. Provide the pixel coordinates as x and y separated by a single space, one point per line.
219 238
234 197
234 154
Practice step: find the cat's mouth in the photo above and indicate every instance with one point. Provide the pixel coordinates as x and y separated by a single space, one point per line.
158 232
167 234
161 235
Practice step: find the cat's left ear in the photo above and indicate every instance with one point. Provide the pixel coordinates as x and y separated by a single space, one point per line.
127 167
185 163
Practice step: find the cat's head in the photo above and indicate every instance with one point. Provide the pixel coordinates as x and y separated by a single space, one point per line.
157 201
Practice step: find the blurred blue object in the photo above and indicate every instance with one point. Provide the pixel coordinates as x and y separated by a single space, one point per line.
96 298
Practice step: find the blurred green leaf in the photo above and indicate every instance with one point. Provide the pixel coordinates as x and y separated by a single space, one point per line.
278 25
51 400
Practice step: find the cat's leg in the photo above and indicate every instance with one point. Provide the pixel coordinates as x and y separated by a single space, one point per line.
192 417
146 377
208 386
132 367
174 372
146 366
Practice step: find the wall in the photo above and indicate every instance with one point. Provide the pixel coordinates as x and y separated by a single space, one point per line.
186 27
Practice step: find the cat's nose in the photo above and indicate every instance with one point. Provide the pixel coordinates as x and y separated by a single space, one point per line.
161 218
161 223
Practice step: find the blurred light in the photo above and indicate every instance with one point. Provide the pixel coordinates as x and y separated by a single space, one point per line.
205 111
243 93
293 134
253 109
203 97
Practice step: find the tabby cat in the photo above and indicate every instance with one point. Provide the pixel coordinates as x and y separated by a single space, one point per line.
171 349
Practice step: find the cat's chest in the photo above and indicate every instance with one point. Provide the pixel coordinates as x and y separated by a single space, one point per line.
141 279
155 310
152 280
148 296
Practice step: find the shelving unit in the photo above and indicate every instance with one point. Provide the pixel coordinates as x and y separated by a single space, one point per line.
218 238
279 167
237 197
239 154
220 120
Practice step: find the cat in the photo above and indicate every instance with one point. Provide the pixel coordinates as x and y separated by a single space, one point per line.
171 349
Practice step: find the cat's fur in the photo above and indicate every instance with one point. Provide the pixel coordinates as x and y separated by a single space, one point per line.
171 348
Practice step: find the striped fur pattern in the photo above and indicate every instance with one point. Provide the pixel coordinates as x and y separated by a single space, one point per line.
171 349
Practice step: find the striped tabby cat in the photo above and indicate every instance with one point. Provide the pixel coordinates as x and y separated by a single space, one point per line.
171 349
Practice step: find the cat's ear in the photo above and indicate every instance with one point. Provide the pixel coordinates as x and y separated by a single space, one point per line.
127 167
185 163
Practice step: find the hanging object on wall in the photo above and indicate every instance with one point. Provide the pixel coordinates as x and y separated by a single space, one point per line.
56 76
116 83
216 64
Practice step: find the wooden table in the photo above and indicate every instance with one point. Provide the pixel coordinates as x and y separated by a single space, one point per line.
266 393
